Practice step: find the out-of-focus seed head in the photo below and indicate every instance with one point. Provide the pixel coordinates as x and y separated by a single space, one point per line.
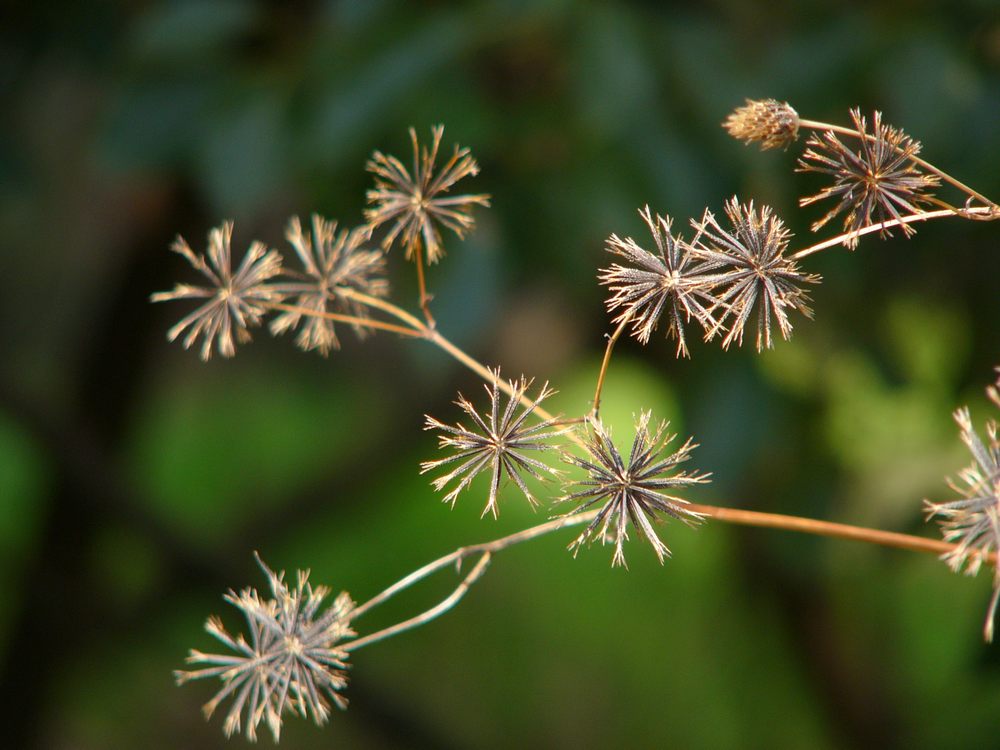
291 663
334 264
416 202
973 521
236 300
770 123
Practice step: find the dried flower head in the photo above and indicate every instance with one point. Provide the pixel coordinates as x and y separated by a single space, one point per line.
752 271
291 663
632 491
335 264
872 183
974 521
771 123
417 202
499 443
665 282
235 300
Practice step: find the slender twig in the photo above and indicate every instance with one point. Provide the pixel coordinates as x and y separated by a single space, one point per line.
986 213
825 528
816 125
456 557
424 617
425 298
353 320
385 306
612 339
736 516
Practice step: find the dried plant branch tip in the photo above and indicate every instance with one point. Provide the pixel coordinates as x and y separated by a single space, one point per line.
236 300
973 521
874 182
417 202
633 490
770 123
334 263
290 664
497 441
652 285
751 271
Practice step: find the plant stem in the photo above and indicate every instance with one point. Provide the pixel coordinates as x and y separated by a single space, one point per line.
353 320
456 557
985 213
604 365
736 516
823 528
816 125
434 612
425 298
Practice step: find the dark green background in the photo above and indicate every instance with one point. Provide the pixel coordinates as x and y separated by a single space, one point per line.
135 481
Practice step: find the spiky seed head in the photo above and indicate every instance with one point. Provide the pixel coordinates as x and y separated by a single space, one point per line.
291 663
770 123
236 300
417 202
973 521
637 490
497 441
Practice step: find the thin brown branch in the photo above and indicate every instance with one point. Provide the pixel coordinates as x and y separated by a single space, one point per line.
984 213
353 320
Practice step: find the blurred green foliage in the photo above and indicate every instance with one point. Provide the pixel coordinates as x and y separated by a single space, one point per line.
135 481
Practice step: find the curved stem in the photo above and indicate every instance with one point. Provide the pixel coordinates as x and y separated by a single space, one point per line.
395 310
604 365
434 612
986 213
816 125
456 557
727 515
425 298
353 320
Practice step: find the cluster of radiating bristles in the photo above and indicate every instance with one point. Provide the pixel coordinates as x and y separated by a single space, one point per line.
631 491
718 278
731 270
290 665
973 521
340 274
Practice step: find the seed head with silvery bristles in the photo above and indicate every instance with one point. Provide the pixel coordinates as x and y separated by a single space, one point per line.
751 271
334 264
291 663
973 522
416 203
631 491
496 442
653 285
770 123
874 182
236 300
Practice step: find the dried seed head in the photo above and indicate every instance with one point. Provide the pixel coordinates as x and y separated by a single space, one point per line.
497 441
872 183
417 202
291 663
771 123
334 264
236 300
973 521
665 283
751 271
633 490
